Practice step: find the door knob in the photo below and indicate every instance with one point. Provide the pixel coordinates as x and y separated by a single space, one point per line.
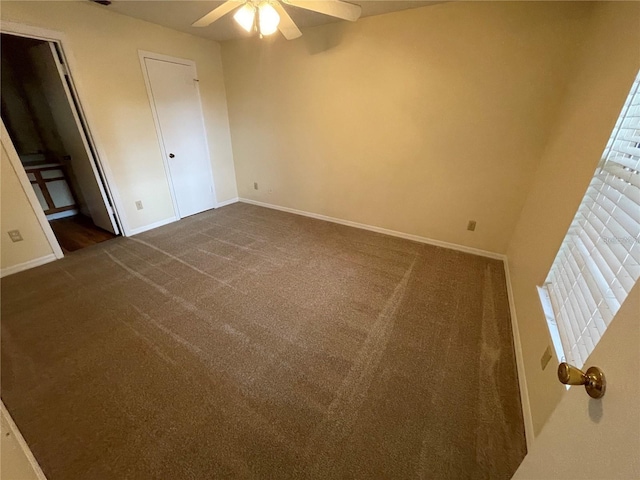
171 155
593 380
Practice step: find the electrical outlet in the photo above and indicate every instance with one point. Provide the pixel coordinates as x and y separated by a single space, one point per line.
546 356
15 235
471 226
139 205
255 185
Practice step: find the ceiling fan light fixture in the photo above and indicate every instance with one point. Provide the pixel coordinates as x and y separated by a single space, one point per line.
245 16
267 16
268 19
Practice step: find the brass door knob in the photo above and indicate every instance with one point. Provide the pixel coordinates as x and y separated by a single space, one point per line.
593 380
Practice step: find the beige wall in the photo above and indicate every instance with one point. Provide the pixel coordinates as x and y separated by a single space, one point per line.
16 214
609 61
420 120
416 121
111 87
16 459
602 433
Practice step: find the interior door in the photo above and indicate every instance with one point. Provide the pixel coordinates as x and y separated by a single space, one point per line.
598 439
176 100
52 76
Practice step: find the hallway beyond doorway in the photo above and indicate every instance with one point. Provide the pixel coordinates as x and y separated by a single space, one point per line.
74 233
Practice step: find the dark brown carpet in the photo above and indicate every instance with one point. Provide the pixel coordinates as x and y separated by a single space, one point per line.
250 343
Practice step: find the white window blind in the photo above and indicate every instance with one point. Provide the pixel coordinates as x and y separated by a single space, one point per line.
599 260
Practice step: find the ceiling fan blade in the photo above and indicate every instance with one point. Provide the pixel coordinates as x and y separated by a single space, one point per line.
334 8
287 27
216 13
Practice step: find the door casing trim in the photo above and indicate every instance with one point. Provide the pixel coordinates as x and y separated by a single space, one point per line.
142 55
100 157
16 164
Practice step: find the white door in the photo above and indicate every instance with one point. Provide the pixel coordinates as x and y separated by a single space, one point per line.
597 439
176 101
52 77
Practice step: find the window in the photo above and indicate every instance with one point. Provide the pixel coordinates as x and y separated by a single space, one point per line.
599 260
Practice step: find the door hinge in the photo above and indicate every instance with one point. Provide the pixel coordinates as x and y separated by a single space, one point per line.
60 60
63 67
109 209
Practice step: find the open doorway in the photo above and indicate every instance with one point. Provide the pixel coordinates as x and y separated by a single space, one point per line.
43 119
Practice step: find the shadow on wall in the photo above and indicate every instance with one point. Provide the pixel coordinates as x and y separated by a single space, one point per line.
595 410
319 40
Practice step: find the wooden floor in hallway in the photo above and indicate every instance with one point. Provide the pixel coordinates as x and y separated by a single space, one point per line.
74 233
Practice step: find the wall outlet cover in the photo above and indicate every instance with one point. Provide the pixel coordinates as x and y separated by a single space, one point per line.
139 205
471 226
15 235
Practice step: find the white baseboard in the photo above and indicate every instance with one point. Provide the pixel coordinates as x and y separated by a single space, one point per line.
65 214
392 233
22 445
227 202
161 223
36 262
517 345
166 221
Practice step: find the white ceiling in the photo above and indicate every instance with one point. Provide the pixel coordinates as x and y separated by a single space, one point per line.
180 14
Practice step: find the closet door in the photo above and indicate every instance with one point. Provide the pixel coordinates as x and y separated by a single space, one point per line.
176 101
54 81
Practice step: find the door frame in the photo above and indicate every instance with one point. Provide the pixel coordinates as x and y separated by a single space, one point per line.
17 166
142 55
98 157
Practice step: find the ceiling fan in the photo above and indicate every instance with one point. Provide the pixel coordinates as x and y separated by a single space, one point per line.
267 16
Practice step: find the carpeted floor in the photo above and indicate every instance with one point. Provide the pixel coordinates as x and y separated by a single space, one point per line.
251 343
